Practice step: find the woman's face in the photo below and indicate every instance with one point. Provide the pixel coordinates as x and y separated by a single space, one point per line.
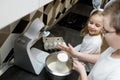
95 24
110 35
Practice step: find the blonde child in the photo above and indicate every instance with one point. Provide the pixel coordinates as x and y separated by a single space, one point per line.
92 40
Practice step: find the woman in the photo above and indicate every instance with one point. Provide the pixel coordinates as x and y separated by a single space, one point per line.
107 65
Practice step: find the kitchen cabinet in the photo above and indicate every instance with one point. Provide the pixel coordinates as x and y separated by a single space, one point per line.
10 11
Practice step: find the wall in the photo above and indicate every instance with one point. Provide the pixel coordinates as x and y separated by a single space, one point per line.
49 14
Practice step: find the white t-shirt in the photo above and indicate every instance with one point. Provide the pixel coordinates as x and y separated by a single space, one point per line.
106 68
90 45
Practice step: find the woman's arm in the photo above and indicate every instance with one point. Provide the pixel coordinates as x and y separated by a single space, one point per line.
80 68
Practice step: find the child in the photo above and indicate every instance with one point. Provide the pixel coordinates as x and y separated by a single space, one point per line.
107 64
92 40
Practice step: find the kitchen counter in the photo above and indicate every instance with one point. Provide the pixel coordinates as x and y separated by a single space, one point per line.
16 73
69 35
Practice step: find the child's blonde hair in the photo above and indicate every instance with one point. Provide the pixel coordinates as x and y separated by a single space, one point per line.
99 12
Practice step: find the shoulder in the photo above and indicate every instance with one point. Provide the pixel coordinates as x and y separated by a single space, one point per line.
109 50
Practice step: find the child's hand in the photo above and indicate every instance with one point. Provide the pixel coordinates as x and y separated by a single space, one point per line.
69 49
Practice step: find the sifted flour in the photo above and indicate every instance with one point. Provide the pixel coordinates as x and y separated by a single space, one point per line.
62 57
58 67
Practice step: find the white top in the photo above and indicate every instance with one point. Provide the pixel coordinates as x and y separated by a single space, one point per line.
106 68
90 45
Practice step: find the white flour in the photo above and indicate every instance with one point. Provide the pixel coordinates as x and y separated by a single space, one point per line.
63 57
58 67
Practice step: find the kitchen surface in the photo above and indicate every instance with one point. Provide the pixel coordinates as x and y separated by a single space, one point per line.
69 29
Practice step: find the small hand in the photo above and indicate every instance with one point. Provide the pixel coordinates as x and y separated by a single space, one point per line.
69 49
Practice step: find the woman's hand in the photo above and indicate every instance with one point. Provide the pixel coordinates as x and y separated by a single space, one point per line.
78 66
69 49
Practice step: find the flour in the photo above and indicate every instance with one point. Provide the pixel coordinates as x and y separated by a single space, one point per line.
58 67
62 57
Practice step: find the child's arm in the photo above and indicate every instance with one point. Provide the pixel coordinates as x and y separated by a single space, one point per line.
77 48
91 58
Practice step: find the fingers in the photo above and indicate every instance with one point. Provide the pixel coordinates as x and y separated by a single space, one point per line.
63 47
70 45
78 66
76 62
75 65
